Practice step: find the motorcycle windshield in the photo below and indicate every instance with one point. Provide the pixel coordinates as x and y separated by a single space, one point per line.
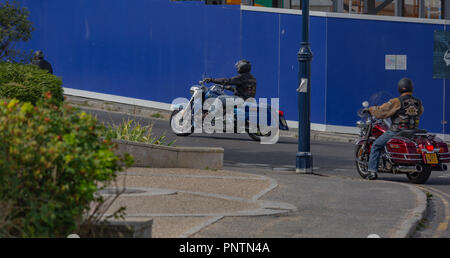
378 99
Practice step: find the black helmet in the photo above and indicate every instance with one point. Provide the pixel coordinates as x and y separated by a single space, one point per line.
405 85
39 54
243 66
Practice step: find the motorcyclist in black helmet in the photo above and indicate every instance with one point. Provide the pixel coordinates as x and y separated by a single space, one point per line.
244 82
404 113
40 62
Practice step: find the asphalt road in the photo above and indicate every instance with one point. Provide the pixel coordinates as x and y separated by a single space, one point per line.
329 158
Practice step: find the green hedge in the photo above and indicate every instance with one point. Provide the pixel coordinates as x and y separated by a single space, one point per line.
52 161
28 83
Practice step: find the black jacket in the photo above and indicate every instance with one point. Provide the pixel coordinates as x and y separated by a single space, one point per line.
43 64
245 84
407 117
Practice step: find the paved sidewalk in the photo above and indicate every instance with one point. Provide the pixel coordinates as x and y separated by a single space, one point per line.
264 203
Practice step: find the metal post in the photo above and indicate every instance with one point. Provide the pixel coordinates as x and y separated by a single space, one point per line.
304 56
287 4
338 6
445 9
421 8
399 7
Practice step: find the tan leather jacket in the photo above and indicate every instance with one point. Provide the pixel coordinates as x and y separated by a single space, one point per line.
389 108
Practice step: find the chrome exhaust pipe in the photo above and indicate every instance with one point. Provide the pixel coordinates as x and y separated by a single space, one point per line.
408 169
419 168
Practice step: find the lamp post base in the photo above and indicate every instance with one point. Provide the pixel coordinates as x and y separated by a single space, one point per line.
304 163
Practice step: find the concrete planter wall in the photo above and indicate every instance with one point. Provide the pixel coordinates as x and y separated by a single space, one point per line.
148 155
121 229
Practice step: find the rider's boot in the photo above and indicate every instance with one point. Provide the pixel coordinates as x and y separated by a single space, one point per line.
372 175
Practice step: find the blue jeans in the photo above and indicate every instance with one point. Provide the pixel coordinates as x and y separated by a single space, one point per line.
377 147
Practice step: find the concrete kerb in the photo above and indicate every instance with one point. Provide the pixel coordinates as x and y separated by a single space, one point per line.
409 226
149 155
96 104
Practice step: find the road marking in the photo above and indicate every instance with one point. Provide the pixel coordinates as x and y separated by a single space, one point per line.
442 193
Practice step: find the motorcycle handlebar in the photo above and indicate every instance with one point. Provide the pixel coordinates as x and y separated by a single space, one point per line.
363 112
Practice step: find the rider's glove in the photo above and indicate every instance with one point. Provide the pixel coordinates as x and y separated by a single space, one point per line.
207 80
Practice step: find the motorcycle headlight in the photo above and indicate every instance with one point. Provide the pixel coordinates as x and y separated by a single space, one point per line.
360 124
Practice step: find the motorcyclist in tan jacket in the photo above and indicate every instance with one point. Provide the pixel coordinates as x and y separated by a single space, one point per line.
404 113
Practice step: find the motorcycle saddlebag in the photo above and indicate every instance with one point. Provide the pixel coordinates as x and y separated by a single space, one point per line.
402 150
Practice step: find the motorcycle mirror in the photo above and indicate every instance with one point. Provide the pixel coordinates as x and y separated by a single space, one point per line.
365 104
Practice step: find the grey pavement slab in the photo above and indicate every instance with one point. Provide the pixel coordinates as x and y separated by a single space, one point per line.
195 198
266 203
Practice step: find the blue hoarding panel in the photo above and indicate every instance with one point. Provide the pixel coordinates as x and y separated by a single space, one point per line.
290 37
356 66
271 41
260 46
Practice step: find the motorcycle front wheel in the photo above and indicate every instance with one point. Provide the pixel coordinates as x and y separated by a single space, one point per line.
361 164
181 121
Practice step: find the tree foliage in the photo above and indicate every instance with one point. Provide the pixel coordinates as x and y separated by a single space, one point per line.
14 27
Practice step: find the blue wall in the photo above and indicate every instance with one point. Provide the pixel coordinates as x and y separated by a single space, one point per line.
157 49
147 49
356 66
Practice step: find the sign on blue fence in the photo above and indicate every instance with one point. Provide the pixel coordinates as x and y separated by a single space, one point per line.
441 55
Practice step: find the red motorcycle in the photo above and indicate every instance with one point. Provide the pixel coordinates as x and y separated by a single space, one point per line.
412 152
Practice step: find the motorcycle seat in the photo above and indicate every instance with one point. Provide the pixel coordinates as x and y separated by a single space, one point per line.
411 133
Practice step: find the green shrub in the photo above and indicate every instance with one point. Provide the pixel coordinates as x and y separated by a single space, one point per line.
52 161
28 83
130 130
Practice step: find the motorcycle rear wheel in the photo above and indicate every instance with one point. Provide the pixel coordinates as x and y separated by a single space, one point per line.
361 165
420 177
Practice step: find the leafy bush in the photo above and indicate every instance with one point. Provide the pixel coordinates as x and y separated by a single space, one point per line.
28 83
130 130
52 162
